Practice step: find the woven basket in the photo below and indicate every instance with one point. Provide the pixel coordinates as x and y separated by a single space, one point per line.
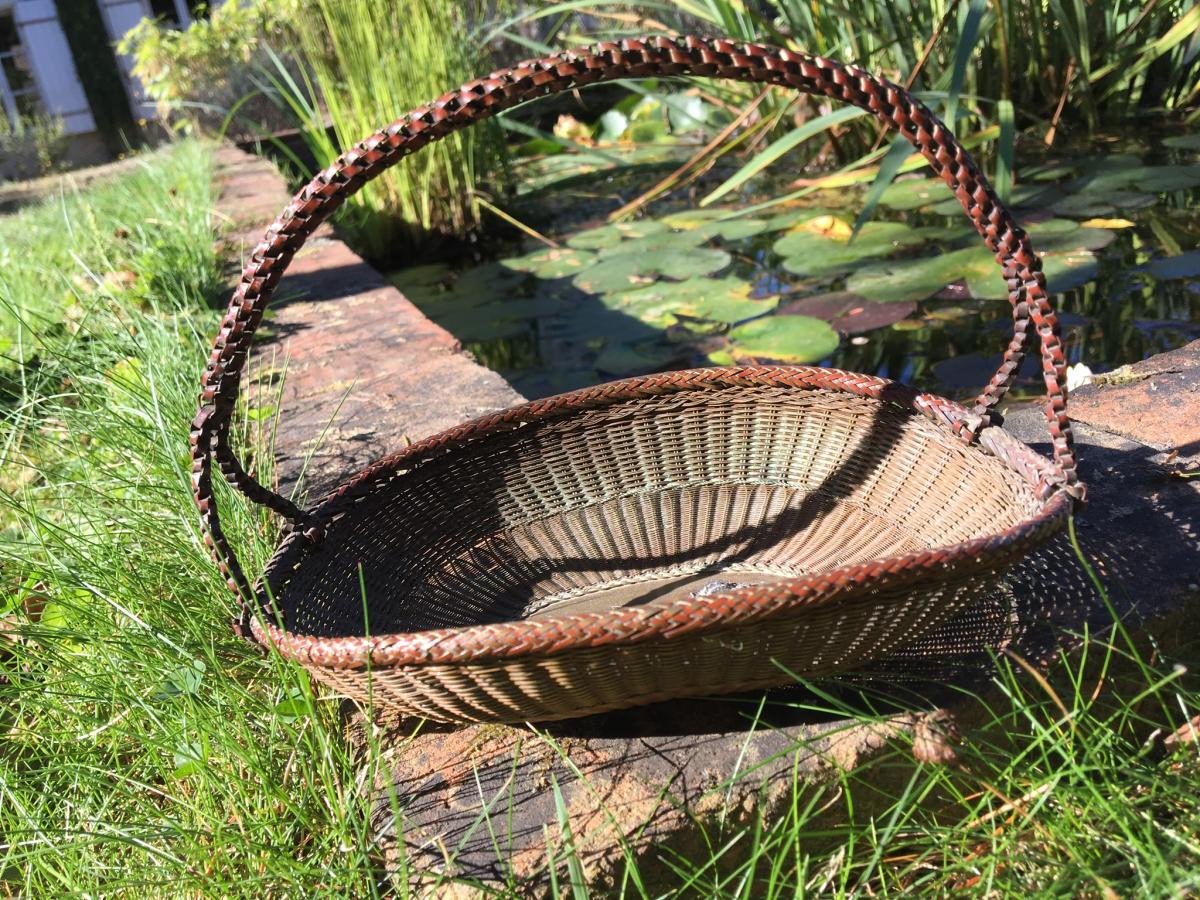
687 533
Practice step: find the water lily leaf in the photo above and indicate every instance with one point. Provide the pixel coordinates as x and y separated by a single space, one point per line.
789 339
657 243
1074 241
915 279
1064 271
623 359
627 270
416 277
489 280
1035 196
1049 171
915 193
611 235
552 262
725 300
1154 179
794 218
721 358
1107 223
1183 141
822 306
471 321
687 219
1185 265
734 229
1051 227
813 254
868 316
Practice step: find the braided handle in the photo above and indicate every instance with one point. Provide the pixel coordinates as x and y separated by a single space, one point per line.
652 56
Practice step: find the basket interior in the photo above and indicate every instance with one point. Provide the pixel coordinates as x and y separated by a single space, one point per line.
644 501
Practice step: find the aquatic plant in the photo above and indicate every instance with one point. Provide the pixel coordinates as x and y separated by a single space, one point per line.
362 67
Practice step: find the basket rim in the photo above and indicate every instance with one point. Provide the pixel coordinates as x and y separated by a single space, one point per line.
558 634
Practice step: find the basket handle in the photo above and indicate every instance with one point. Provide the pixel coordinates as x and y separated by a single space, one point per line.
652 56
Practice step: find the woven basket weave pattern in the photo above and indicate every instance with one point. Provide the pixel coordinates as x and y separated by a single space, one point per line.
692 532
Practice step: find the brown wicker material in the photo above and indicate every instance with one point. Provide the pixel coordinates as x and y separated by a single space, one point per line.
692 532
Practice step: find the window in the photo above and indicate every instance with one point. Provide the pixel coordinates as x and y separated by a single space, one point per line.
17 89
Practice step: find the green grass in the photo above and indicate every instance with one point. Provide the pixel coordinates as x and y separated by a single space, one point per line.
144 749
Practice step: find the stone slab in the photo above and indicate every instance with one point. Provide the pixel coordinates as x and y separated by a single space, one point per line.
1153 401
363 370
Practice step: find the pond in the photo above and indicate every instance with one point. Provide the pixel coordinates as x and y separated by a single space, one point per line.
914 296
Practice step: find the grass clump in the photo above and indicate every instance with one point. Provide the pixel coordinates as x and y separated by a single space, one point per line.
362 66
142 746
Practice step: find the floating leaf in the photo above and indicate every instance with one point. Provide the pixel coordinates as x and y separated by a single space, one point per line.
822 306
812 254
915 193
725 300
608 236
1185 265
789 339
1183 141
870 316
915 279
657 243
687 219
552 262
794 218
622 359
1107 223
629 270
721 358
1154 179
734 229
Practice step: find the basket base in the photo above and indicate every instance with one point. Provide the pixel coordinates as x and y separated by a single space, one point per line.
659 591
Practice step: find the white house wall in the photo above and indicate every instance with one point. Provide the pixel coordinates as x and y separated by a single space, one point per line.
51 63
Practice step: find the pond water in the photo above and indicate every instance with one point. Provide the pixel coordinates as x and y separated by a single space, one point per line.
914 296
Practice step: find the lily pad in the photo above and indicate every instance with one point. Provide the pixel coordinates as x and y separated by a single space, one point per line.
552 262
725 300
687 219
622 359
1101 203
489 280
822 306
734 229
811 254
1186 265
793 218
1064 271
657 243
629 270
868 316
916 279
1153 179
789 339
915 193
1184 141
607 236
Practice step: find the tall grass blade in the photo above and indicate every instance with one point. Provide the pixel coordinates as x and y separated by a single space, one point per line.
781 146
